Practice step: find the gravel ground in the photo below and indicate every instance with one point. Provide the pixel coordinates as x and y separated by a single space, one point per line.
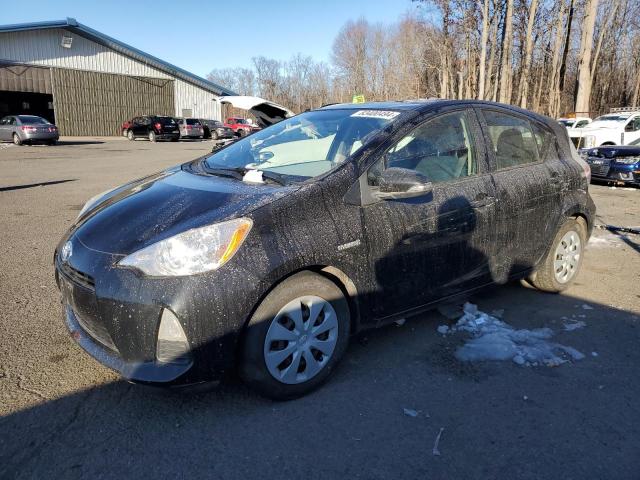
64 415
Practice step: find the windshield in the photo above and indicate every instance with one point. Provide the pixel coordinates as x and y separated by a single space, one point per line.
306 145
192 121
29 120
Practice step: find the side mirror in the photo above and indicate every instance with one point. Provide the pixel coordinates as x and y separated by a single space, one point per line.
396 183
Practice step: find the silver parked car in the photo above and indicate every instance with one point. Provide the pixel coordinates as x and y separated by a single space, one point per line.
31 129
190 128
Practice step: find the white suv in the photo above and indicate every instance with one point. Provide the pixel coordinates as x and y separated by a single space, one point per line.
620 127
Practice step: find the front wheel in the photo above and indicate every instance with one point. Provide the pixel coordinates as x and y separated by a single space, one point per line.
564 259
130 135
296 337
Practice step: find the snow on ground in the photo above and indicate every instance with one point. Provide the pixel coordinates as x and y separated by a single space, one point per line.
493 339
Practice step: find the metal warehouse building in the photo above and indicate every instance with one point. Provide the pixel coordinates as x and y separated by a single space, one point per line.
89 83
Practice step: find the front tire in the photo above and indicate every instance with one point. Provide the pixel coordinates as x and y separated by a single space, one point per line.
562 263
296 337
130 135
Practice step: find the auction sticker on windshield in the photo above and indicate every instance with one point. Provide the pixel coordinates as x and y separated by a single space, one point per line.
384 114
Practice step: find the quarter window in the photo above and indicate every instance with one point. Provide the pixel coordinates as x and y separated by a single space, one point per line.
513 140
441 149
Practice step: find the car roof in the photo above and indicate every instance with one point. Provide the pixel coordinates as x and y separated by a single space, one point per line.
424 105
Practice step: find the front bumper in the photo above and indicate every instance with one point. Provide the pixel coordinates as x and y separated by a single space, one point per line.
610 171
114 315
144 372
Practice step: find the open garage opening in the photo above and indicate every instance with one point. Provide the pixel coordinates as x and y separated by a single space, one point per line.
27 103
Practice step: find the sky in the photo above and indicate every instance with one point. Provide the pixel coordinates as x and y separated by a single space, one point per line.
202 35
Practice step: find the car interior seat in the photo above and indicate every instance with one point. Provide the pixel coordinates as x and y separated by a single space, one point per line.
510 149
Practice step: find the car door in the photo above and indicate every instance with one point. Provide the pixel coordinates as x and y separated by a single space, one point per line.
429 247
631 130
530 180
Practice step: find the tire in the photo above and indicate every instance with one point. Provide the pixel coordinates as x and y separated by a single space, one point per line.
16 139
271 320
130 135
152 136
561 266
214 136
52 142
242 133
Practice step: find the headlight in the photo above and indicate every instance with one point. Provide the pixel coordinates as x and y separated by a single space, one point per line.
195 251
628 160
93 201
589 141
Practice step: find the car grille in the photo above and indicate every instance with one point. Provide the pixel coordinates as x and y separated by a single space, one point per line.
600 169
95 329
77 277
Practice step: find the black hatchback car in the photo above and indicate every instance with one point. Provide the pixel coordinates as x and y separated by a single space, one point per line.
265 256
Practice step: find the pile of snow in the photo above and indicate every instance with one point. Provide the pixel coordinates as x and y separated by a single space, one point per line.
493 339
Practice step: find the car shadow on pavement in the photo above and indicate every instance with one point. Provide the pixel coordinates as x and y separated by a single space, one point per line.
499 419
40 184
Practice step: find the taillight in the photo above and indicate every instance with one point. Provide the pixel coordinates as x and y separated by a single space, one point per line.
158 126
28 129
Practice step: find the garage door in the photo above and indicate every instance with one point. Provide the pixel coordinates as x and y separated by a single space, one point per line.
92 103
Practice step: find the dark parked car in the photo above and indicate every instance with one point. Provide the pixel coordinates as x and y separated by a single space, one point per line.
153 127
216 130
30 129
265 260
615 163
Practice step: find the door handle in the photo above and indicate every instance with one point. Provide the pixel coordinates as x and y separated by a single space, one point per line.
482 200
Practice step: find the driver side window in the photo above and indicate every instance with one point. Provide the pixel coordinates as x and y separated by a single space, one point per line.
441 149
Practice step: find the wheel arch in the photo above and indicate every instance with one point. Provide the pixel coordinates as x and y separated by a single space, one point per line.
333 274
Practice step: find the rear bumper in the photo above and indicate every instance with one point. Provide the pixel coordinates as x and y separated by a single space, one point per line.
40 136
167 136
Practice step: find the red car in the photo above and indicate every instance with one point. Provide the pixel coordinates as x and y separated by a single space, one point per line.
241 126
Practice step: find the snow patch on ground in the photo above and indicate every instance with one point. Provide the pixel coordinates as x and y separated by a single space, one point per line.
606 240
493 339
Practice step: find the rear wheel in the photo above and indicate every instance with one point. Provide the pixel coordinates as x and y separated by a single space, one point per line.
130 135
242 132
152 136
52 142
16 139
564 259
296 337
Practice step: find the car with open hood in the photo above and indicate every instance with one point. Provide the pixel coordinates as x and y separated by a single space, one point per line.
262 260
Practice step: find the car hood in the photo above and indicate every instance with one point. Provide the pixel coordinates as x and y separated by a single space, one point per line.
615 151
151 209
603 124
266 112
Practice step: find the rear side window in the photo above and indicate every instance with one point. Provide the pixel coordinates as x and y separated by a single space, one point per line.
513 140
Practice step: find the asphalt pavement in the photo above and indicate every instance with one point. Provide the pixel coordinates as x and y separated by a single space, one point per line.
62 415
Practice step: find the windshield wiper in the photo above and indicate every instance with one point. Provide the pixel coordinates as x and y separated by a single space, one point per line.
239 172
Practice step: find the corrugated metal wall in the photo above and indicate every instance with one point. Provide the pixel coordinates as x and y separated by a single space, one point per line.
19 78
43 47
203 104
92 103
